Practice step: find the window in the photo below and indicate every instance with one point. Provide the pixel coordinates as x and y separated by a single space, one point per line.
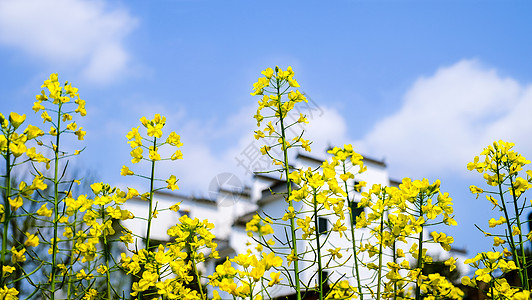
325 277
356 211
356 186
322 225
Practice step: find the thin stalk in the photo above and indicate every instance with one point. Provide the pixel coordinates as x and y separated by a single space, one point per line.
318 246
262 278
7 211
72 254
420 248
106 254
394 258
56 201
524 283
379 276
352 218
509 228
196 273
289 192
150 211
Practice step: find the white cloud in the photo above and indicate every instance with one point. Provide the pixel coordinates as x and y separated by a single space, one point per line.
69 32
325 130
446 119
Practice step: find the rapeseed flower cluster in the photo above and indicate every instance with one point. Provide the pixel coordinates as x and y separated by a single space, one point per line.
274 87
247 280
78 260
154 131
502 168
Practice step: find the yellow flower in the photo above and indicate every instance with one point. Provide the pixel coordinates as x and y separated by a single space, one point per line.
335 252
53 131
82 275
32 132
3 143
67 117
46 117
522 295
476 190
257 273
274 279
16 120
315 181
290 258
339 227
497 241
177 155
126 171
172 183
8 293
175 207
136 154
101 269
18 256
44 212
289 214
268 73
80 133
81 107
258 86
38 183
174 139
154 155
72 91
92 294
8 269
305 144
37 105
32 241
16 203
155 131
102 200
451 263
96 187
515 230
270 260
17 149
216 295
72 126
493 222
131 192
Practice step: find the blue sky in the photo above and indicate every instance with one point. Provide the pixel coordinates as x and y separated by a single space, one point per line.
424 85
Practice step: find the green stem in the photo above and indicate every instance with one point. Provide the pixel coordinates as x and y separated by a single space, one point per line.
7 211
197 275
289 193
394 258
420 249
107 254
56 202
318 246
72 255
150 211
352 218
379 277
524 280
509 227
